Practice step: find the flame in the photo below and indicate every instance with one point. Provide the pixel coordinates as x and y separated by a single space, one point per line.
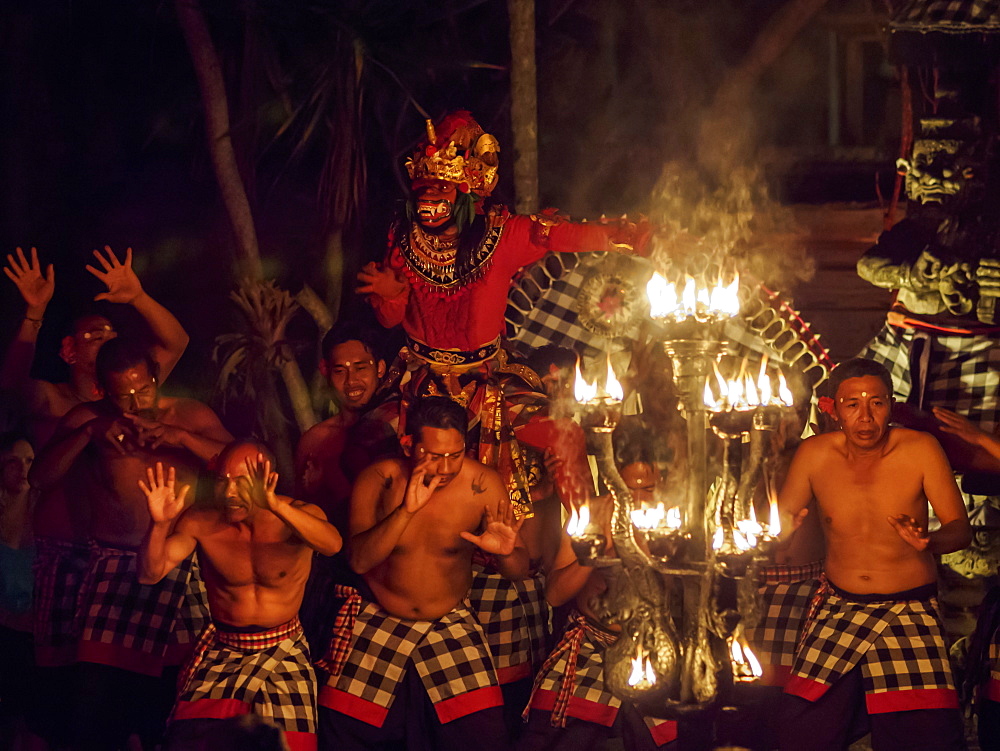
648 518
726 299
611 385
774 524
709 398
764 382
746 666
578 521
662 296
750 389
689 297
642 670
784 393
583 391
673 518
746 533
718 538
702 303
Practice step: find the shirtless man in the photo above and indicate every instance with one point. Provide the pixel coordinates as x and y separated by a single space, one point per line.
61 527
123 654
255 549
353 369
415 523
876 632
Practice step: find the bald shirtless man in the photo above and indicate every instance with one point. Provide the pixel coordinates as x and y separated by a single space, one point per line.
876 633
413 666
255 549
123 652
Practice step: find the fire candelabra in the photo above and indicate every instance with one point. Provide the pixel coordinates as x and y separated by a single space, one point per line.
681 582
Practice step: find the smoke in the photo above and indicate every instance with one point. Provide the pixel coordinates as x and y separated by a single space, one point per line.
723 219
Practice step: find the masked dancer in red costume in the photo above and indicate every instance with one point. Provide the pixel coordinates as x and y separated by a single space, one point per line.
445 277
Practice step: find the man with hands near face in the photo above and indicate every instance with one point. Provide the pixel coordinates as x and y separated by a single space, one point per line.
874 630
413 665
255 549
125 654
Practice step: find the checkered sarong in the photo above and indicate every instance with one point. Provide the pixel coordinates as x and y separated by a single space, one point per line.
60 567
962 372
571 682
785 597
494 601
537 615
138 627
265 673
449 655
898 644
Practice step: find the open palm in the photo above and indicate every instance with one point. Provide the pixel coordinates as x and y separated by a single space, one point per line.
164 502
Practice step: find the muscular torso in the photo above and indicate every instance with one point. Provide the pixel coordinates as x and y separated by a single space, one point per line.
855 496
429 571
255 574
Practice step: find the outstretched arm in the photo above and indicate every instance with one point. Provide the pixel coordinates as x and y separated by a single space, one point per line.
956 424
74 433
36 290
304 519
124 287
161 551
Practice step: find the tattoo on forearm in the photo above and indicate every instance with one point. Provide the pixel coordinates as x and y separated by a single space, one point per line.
478 489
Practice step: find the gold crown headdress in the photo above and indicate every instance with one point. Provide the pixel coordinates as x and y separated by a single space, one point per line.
458 150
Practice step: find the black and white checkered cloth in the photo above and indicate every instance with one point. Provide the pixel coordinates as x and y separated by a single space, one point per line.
784 606
537 615
59 570
235 677
587 698
899 646
515 618
961 373
494 601
948 16
138 627
449 655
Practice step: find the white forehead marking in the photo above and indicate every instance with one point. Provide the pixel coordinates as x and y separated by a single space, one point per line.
864 393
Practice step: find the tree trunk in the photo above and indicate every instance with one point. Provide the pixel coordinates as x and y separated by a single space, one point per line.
208 71
723 139
524 104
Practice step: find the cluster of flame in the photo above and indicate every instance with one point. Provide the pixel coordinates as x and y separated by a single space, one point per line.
586 392
701 303
657 517
579 520
743 393
642 670
746 666
748 532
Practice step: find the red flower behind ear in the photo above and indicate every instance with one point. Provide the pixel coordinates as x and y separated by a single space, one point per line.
826 405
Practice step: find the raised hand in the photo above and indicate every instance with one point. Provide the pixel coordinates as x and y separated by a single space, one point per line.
164 502
911 531
123 285
956 424
262 484
36 289
419 490
380 280
500 535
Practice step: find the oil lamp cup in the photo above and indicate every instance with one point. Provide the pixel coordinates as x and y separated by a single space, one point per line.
668 545
588 546
601 414
732 423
